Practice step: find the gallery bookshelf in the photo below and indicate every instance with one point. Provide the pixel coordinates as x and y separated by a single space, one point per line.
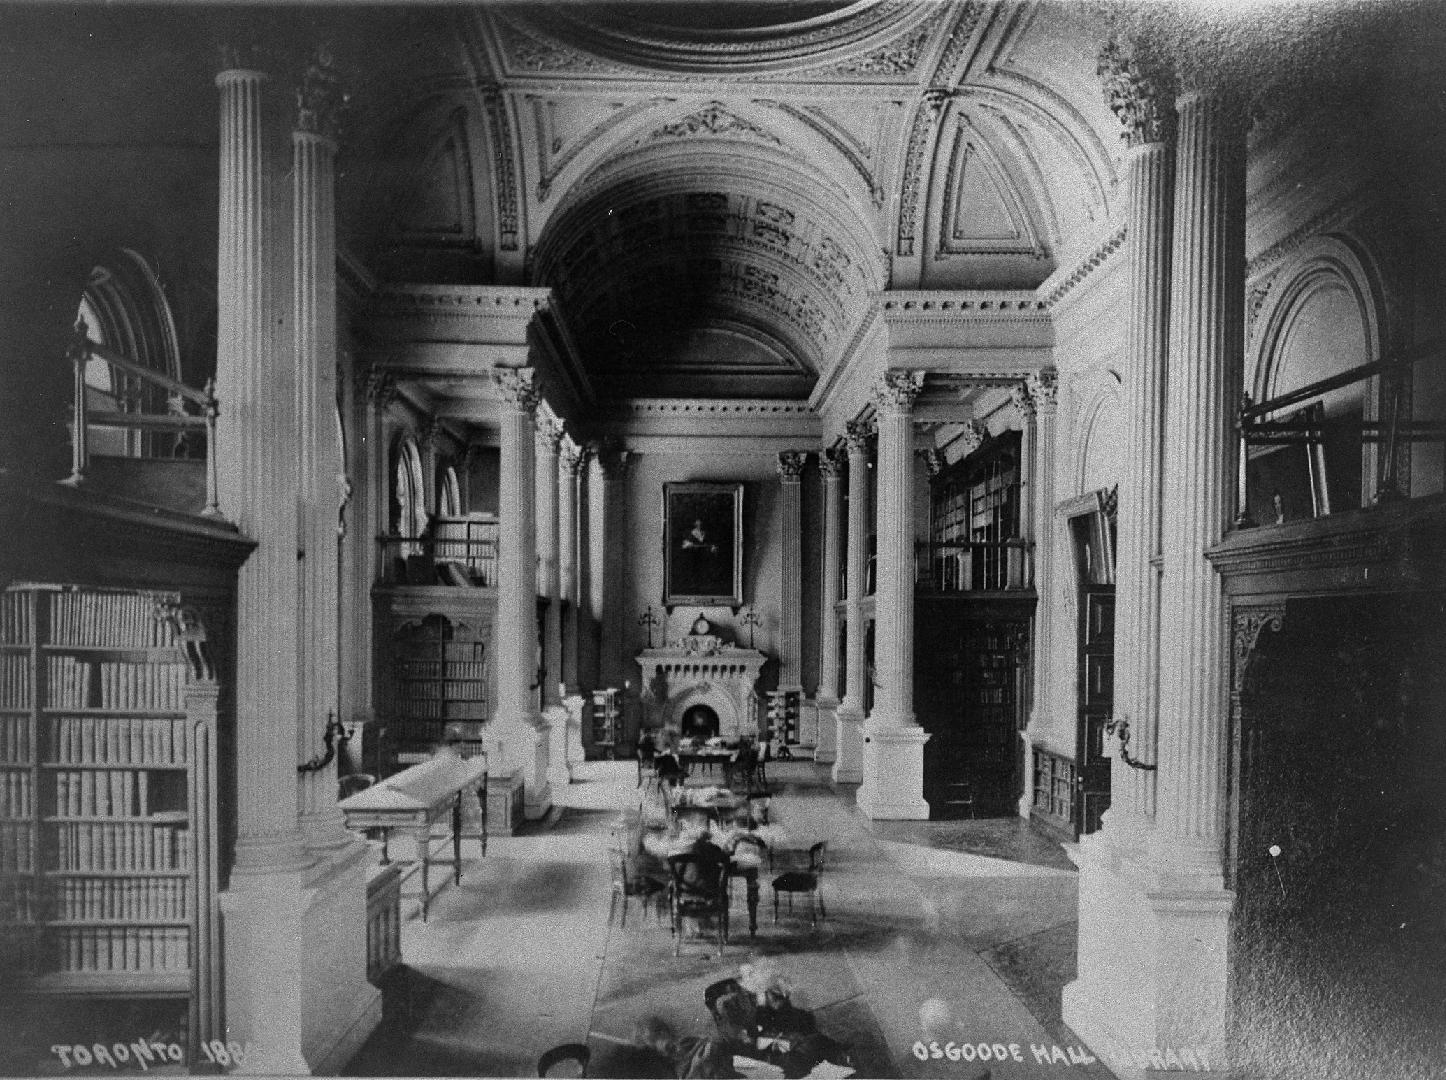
783 716
440 679
108 862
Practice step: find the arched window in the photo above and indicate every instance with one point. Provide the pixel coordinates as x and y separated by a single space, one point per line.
451 495
408 491
124 308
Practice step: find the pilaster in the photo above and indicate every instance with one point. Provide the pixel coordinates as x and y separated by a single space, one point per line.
571 462
893 752
1036 398
791 464
849 735
833 464
549 444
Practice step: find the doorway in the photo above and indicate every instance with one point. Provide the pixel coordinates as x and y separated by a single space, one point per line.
1092 538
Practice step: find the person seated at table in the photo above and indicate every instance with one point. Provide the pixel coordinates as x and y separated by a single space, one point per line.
691 1057
670 769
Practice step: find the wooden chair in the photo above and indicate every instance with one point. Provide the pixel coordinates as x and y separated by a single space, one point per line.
758 803
804 881
626 885
569 1059
699 890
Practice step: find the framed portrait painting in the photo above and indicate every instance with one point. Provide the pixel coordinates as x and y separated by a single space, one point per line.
702 545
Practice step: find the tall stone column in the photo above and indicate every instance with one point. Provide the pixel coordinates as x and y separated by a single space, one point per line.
519 744
570 464
832 463
594 596
893 754
849 733
321 482
549 443
1035 400
256 440
1029 467
1141 91
618 619
791 464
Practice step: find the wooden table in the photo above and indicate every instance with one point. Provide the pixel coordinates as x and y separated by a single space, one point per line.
415 799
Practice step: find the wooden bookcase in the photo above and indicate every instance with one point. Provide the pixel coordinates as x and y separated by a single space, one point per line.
108 861
606 722
439 677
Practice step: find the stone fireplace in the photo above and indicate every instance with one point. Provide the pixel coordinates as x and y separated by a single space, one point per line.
701 672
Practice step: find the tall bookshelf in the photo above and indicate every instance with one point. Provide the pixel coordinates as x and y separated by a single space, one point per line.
606 722
439 678
107 858
783 716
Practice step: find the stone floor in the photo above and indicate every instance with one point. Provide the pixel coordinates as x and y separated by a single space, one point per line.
957 931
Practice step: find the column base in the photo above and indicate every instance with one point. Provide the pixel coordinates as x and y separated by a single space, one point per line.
848 764
1153 965
1026 798
826 750
893 768
342 1007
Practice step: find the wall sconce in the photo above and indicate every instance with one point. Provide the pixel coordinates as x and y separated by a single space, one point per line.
334 729
1119 728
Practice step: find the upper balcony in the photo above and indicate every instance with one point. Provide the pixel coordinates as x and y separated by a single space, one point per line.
974 568
457 552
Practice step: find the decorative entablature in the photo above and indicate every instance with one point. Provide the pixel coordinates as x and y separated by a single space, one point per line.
1074 279
750 419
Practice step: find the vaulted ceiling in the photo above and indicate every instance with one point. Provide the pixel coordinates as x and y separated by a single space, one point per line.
714 190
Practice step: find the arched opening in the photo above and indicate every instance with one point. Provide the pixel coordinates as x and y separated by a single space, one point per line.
699 722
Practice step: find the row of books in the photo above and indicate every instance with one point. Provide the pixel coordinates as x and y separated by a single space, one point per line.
109 620
17 855
122 685
460 691
99 740
111 793
15 617
442 709
97 846
16 691
437 669
15 747
17 901
131 948
17 794
136 899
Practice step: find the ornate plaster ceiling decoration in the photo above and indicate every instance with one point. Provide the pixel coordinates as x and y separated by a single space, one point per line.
695 269
861 40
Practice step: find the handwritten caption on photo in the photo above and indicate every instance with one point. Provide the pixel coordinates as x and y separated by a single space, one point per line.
143 1053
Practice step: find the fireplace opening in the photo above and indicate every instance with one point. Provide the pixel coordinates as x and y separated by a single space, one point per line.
699 722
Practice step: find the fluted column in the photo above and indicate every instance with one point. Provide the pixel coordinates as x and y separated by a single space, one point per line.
1039 393
832 463
1206 346
516 635
791 464
1141 92
593 597
893 756
570 463
848 728
375 391
549 443
256 442
1030 465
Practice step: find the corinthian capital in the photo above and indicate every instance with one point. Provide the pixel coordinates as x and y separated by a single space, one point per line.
856 435
1140 87
791 464
550 431
975 434
379 385
832 462
320 97
516 386
932 459
572 459
1043 389
895 391
1023 404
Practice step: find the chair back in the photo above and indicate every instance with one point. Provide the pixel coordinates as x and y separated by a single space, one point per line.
756 842
699 879
569 1059
816 855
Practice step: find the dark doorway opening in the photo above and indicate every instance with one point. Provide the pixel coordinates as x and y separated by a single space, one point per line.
699 722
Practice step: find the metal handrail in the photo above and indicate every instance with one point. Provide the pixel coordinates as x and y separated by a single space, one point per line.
79 352
1253 430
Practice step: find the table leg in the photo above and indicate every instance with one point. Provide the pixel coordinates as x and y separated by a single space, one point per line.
752 883
424 836
457 839
482 802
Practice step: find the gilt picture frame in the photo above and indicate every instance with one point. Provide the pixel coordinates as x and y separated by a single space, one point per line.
703 545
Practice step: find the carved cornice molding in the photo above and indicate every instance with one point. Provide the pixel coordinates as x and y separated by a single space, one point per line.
921 136
977 306
1043 388
1097 257
504 170
895 392
517 387
791 464
714 407
462 301
1328 220
1140 88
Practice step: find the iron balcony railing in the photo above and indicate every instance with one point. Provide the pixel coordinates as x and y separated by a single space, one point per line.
456 551
974 566
180 417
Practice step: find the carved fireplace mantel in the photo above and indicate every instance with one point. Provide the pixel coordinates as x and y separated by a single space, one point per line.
701 669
